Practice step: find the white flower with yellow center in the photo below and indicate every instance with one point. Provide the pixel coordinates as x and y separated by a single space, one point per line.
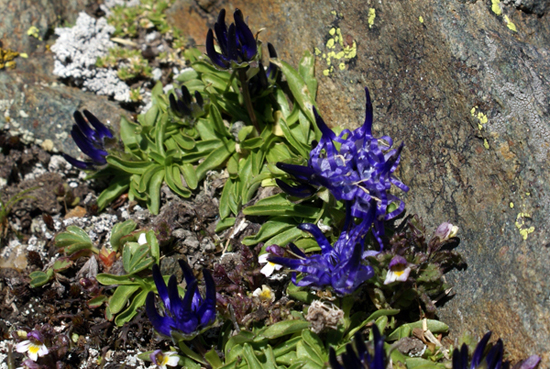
33 346
265 293
398 270
269 267
161 359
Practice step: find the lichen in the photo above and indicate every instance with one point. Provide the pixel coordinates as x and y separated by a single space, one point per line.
76 52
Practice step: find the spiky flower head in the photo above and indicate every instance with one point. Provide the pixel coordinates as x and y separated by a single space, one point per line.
90 140
237 44
188 315
359 172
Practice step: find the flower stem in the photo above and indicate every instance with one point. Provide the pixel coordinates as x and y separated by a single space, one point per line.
248 100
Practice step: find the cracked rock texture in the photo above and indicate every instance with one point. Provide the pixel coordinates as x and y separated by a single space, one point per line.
469 96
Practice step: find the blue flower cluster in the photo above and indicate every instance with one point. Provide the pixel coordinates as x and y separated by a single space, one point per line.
236 43
357 168
91 141
187 315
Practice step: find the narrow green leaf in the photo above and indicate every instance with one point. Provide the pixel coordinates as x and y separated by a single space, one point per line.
213 359
283 328
224 224
173 180
154 192
118 186
190 175
121 230
298 88
187 75
131 311
132 167
215 159
250 357
120 298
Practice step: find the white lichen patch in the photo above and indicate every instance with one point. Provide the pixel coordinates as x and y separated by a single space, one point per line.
76 52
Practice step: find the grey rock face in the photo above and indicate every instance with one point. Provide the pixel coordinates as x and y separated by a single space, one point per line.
33 104
469 96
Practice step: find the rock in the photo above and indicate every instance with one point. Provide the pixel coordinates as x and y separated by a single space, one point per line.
464 84
33 104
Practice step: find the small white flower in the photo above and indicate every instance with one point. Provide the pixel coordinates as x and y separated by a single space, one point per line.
269 267
265 293
33 347
161 359
142 240
398 270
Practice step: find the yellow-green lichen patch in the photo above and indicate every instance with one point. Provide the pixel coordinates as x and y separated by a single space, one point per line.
420 19
7 57
482 118
511 205
509 24
521 224
372 16
34 32
338 50
486 144
496 7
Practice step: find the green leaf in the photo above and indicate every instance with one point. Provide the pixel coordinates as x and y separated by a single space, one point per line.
213 359
305 354
316 345
117 187
121 230
300 293
187 75
215 159
252 143
298 88
435 326
225 209
224 224
153 243
268 230
120 298
62 264
278 205
132 167
112 279
154 192
129 133
283 238
131 311
73 239
283 328
183 141
173 180
190 175
39 278
97 301
307 71
250 357
374 316
190 353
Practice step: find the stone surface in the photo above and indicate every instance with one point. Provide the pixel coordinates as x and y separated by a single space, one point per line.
469 97
34 104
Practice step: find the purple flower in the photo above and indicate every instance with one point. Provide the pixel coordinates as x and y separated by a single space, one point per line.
34 345
90 140
360 357
237 44
339 267
183 105
187 315
359 173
